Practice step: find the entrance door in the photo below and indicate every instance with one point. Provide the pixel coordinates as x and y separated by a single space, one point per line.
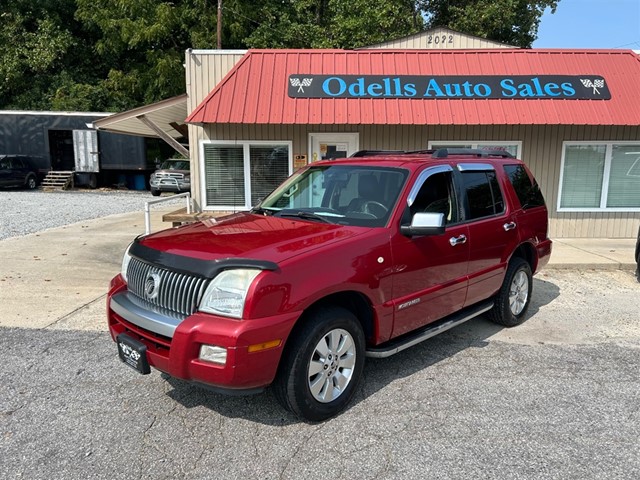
61 150
327 146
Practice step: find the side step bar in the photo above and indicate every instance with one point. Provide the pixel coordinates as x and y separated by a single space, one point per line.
413 338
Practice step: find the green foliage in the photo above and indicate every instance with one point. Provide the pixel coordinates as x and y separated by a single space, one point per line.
331 23
514 22
114 55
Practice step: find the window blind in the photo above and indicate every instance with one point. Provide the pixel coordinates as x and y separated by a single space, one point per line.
582 176
624 179
269 168
224 175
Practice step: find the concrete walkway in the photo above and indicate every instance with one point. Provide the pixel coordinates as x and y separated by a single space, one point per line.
58 278
593 254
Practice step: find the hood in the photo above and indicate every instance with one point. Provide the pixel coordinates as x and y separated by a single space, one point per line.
248 236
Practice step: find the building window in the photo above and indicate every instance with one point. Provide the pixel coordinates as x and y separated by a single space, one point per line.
513 147
237 175
600 176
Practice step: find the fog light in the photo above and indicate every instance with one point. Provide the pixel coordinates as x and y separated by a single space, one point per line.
213 353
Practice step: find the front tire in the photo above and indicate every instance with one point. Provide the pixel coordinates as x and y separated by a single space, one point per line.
322 365
514 297
155 193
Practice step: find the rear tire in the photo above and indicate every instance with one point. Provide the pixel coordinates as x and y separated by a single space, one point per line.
514 297
322 365
31 183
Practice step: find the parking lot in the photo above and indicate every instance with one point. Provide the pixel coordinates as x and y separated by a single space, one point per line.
558 397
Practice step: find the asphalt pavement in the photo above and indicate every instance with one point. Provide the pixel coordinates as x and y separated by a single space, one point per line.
556 397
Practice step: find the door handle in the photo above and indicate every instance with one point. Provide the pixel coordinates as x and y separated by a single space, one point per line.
457 240
509 226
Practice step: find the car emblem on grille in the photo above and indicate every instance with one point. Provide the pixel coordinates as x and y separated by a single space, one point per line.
152 286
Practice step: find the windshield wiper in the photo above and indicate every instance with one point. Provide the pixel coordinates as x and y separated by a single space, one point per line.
304 215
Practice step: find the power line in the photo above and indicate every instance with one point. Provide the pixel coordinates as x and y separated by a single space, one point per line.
636 43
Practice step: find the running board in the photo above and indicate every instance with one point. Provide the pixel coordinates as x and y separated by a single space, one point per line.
413 338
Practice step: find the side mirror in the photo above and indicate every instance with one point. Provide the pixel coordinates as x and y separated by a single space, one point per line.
424 224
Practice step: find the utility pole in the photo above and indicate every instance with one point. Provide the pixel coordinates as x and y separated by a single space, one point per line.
219 24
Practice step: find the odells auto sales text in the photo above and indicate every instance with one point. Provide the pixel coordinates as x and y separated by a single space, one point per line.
395 87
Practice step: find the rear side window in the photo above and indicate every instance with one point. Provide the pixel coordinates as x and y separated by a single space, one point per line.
483 194
527 191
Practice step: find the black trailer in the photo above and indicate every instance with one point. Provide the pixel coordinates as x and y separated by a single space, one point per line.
67 142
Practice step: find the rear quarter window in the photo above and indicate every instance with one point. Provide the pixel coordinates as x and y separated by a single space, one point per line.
527 191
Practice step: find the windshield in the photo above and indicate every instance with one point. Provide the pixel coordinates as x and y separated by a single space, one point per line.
343 194
175 165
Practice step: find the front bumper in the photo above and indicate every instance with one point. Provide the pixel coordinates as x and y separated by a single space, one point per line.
173 346
170 185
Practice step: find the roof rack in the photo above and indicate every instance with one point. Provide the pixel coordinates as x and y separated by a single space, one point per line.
373 153
445 152
439 153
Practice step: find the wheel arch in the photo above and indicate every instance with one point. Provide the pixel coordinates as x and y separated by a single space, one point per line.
355 302
527 252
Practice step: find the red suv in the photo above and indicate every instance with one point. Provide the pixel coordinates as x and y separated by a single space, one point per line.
347 259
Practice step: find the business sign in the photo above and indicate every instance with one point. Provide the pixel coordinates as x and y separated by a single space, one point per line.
450 87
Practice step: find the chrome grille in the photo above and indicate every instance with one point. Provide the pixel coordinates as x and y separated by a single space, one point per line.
178 294
178 176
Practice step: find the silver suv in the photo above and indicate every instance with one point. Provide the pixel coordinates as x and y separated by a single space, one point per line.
172 176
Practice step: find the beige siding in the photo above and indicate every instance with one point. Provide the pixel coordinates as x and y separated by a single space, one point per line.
204 70
541 150
440 38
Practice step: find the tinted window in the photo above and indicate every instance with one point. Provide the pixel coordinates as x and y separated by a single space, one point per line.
437 196
528 193
483 194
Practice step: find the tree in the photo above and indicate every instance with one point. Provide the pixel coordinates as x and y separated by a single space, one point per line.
114 55
329 23
34 43
514 22
140 46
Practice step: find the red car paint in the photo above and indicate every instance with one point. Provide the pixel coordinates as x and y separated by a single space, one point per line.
401 282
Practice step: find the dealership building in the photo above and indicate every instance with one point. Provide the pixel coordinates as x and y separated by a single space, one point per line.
256 116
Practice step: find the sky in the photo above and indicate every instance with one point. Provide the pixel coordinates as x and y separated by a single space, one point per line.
591 24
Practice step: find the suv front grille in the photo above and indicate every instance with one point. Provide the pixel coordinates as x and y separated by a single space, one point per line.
177 176
165 291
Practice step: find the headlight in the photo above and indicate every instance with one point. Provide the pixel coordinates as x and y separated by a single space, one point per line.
125 263
226 293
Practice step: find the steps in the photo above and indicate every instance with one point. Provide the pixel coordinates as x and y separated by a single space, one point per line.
58 180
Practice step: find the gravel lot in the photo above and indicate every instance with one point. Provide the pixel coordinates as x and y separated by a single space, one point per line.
24 212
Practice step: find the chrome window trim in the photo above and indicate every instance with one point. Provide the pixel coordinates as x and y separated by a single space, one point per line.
413 193
475 167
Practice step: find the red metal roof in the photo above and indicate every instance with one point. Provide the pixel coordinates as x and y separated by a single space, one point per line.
255 90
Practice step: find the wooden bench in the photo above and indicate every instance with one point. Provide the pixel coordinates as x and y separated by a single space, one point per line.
179 217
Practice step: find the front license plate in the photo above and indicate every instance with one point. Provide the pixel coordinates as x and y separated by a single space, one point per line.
133 353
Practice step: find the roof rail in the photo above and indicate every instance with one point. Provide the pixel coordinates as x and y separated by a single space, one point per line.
439 153
445 152
373 153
